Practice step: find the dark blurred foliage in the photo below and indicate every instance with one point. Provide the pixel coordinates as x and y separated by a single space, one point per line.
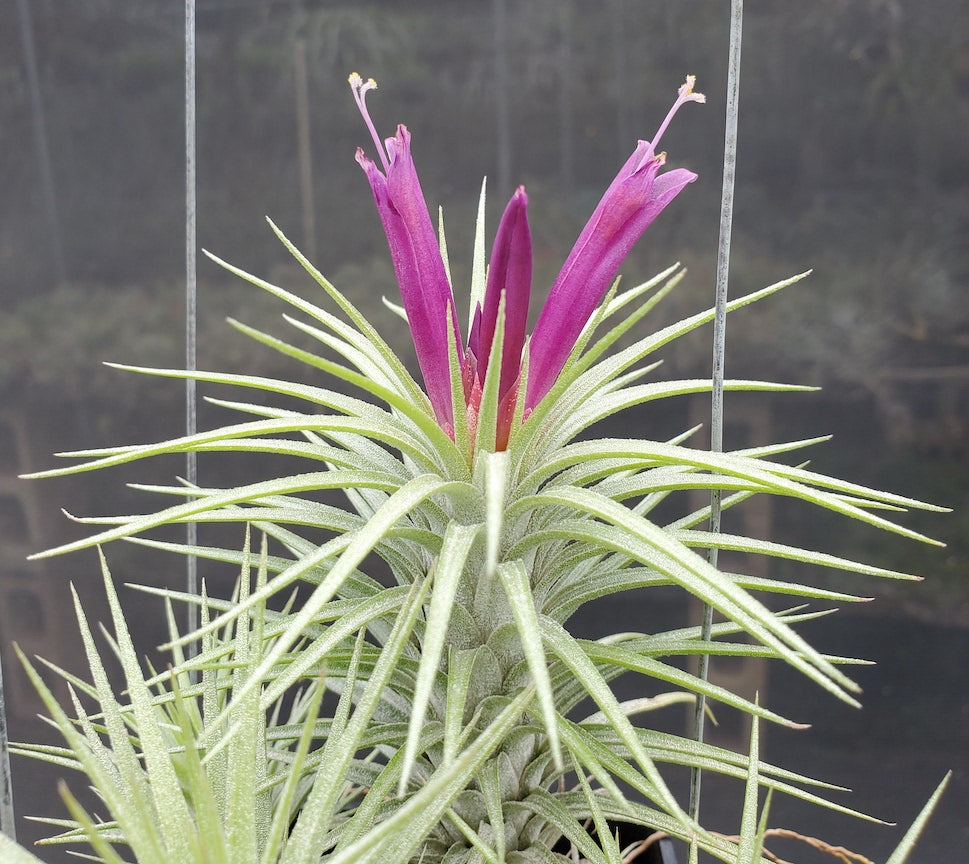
852 161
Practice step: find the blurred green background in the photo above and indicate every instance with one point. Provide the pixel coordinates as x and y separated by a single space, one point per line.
852 161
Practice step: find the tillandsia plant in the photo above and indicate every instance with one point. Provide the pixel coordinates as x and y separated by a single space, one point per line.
443 717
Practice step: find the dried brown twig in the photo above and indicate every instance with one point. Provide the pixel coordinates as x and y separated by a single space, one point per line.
846 856
640 846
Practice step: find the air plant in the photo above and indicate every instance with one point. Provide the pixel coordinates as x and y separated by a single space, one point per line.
444 716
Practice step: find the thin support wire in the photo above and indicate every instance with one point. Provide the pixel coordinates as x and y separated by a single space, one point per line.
7 823
191 298
719 347
48 193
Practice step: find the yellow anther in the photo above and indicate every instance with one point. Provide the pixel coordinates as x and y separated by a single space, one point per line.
357 83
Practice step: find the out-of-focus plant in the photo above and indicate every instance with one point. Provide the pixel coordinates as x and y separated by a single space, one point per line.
449 716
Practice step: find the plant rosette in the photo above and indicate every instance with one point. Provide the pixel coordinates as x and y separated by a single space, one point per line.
449 715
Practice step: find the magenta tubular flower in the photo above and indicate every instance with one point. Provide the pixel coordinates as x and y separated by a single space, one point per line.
424 286
630 205
416 255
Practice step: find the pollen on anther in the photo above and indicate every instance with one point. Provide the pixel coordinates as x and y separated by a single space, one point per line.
358 84
686 91
359 87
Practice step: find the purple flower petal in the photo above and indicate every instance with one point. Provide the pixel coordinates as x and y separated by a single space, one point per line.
509 272
416 256
629 206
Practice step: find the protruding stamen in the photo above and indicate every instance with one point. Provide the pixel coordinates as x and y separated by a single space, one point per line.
360 89
684 94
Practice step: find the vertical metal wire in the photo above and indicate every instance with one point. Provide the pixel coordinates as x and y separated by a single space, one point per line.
48 193
719 344
7 816
191 297
304 147
7 824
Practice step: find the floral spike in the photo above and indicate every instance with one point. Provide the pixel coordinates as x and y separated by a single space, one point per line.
630 205
416 255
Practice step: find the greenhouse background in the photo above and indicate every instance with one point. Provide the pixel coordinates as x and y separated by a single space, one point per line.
852 161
